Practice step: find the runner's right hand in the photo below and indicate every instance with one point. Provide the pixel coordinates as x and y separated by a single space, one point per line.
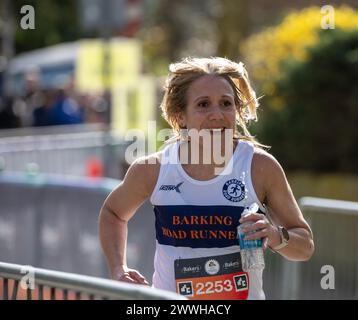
126 274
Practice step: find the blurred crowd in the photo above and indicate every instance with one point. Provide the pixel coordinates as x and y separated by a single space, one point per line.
59 105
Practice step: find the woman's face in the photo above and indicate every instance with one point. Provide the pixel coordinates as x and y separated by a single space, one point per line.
210 105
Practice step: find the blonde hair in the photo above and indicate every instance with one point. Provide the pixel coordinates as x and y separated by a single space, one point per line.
184 73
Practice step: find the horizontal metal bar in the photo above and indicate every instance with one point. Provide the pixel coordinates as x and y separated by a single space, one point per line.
88 285
100 185
66 141
329 205
50 130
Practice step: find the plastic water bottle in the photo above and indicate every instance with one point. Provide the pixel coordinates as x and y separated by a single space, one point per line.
252 255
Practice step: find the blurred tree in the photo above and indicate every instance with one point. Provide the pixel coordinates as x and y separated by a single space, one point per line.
264 52
158 34
173 29
318 128
56 21
233 25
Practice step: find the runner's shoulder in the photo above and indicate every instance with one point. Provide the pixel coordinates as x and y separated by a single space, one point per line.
264 161
145 170
266 170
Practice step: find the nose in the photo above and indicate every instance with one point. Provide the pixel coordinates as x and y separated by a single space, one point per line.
216 113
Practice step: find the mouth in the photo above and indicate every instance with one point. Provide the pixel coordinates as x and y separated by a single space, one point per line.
216 130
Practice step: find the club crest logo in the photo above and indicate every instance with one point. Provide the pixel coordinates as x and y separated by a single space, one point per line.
234 190
212 267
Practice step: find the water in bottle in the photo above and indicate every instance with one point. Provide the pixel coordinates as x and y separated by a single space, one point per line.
252 255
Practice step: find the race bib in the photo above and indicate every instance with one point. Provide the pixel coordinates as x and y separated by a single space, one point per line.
216 277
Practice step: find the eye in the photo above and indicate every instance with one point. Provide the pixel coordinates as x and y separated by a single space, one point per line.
203 104
227 103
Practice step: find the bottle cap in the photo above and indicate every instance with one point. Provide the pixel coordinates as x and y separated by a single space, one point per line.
254 207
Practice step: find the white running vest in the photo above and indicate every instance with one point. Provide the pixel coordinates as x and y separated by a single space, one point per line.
195 219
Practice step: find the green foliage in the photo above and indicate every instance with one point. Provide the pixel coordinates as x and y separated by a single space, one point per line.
56 21
317 129
265 51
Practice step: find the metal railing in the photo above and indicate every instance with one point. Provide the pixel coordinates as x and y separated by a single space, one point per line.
335 227
334 224
55 225
63 151
329 205
55 285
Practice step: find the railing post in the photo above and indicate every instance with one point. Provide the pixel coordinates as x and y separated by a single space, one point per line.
6 289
